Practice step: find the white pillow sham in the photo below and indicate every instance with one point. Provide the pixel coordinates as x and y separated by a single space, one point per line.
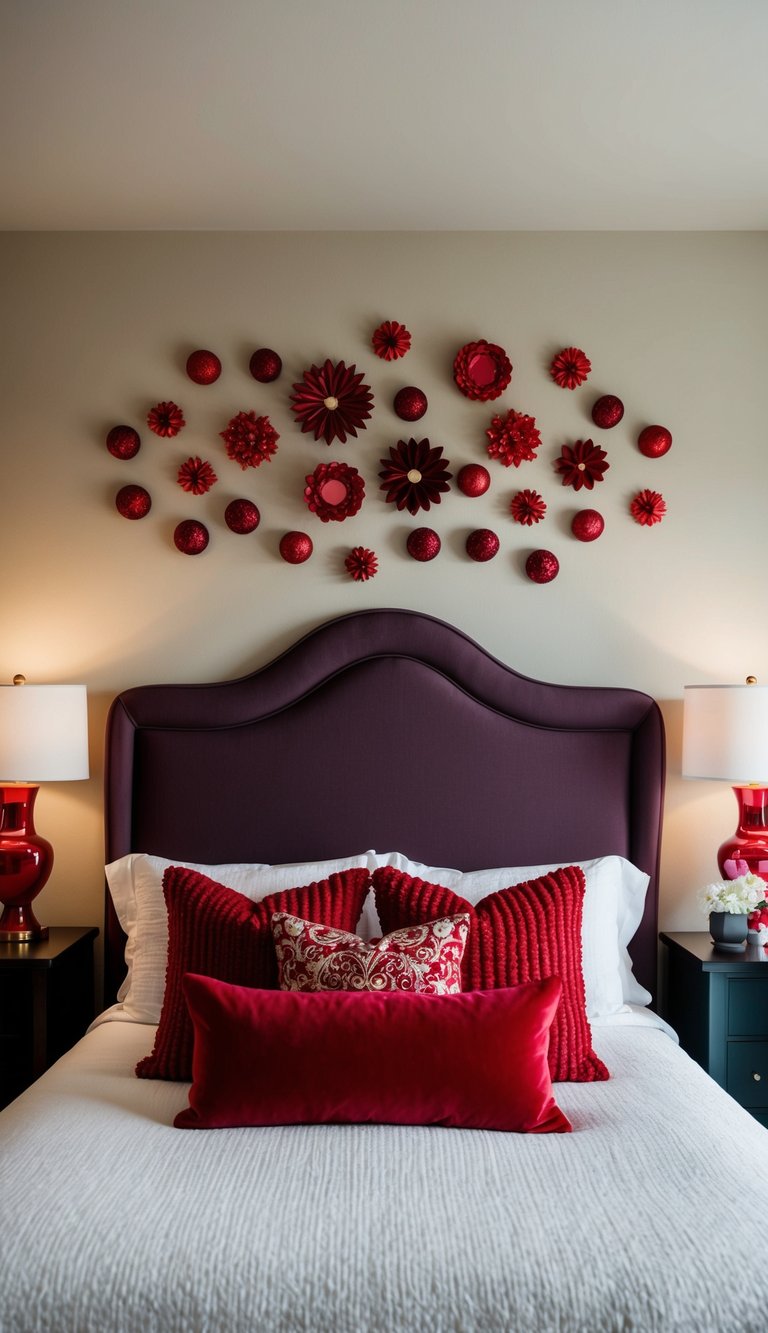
613 907
136 886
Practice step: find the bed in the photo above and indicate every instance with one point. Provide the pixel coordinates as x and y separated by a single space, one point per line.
387 740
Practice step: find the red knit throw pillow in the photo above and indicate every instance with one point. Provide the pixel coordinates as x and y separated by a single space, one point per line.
522 933
216 932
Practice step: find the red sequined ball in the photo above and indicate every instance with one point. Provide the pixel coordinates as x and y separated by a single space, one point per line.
587 525
166 419
203 367
123 442
295 547
482 544
133 501
361 564
241 516
265 365
607 411
473 479
542 566
654 441
410 403
423 544
191 537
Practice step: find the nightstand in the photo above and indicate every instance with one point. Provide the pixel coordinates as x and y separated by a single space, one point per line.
717 1003
46 1002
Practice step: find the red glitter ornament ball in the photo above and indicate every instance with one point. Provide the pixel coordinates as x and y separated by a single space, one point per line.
423 544
607 411
123 442
191 537
410 403
133 501
241 516
542 566
265 365
482 544
295 547
473 479
654 441
203 367
587 525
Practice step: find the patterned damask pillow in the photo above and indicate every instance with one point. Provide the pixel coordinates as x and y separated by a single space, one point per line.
424 958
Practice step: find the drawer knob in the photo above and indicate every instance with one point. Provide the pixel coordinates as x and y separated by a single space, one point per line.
757 1077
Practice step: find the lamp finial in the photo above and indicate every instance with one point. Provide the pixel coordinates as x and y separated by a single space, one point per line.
19 679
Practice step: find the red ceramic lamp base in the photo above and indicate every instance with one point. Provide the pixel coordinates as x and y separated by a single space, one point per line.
25 863
747 849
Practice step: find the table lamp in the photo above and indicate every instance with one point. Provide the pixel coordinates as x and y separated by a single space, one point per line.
725 736
43 738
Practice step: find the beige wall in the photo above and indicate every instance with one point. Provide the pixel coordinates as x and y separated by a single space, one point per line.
96 328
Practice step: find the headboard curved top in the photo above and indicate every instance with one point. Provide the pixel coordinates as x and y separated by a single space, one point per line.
392 730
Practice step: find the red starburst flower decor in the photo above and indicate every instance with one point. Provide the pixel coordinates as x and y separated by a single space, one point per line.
570 367
361 564
250 440
514 438
647 508
581 464
482 370
527 507
332 402
391 340
166 419
414 475
196 476
334 491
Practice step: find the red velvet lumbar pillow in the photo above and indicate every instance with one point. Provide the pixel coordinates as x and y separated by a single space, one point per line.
424 959
475 1061
220 933
521 933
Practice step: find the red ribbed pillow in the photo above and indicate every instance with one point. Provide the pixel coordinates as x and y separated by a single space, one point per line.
522 933
475 1061
217 932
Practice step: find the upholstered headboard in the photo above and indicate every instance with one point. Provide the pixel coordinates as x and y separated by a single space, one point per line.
391 730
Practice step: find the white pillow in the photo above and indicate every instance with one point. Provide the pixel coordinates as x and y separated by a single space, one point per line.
136 885
613 907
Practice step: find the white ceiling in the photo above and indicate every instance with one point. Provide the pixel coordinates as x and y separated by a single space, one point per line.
384 114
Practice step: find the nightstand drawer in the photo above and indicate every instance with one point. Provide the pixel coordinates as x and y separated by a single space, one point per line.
747 1007
747 1076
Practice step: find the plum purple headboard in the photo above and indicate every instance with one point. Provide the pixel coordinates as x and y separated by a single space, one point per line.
391 730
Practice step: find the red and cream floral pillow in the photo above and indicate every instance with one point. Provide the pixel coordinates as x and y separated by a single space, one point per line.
424 958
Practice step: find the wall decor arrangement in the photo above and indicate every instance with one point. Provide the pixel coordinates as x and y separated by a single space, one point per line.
333 403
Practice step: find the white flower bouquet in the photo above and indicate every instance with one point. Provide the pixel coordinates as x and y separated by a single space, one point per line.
736 896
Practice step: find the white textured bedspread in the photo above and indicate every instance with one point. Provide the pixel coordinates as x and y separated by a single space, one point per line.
652 1215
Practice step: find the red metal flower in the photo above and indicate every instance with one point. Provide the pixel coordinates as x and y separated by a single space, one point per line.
166 419
414 475
513 438
332 402
334 491
648 507
250 440
196 476
482 370
391 340
570 367
527 507
581 464
361 564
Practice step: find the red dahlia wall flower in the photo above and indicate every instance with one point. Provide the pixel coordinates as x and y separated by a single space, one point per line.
196 476
647 508
514 438
361 564
166 419
570 368
391 340
527 507
332 402
414 475
581 464
250 440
